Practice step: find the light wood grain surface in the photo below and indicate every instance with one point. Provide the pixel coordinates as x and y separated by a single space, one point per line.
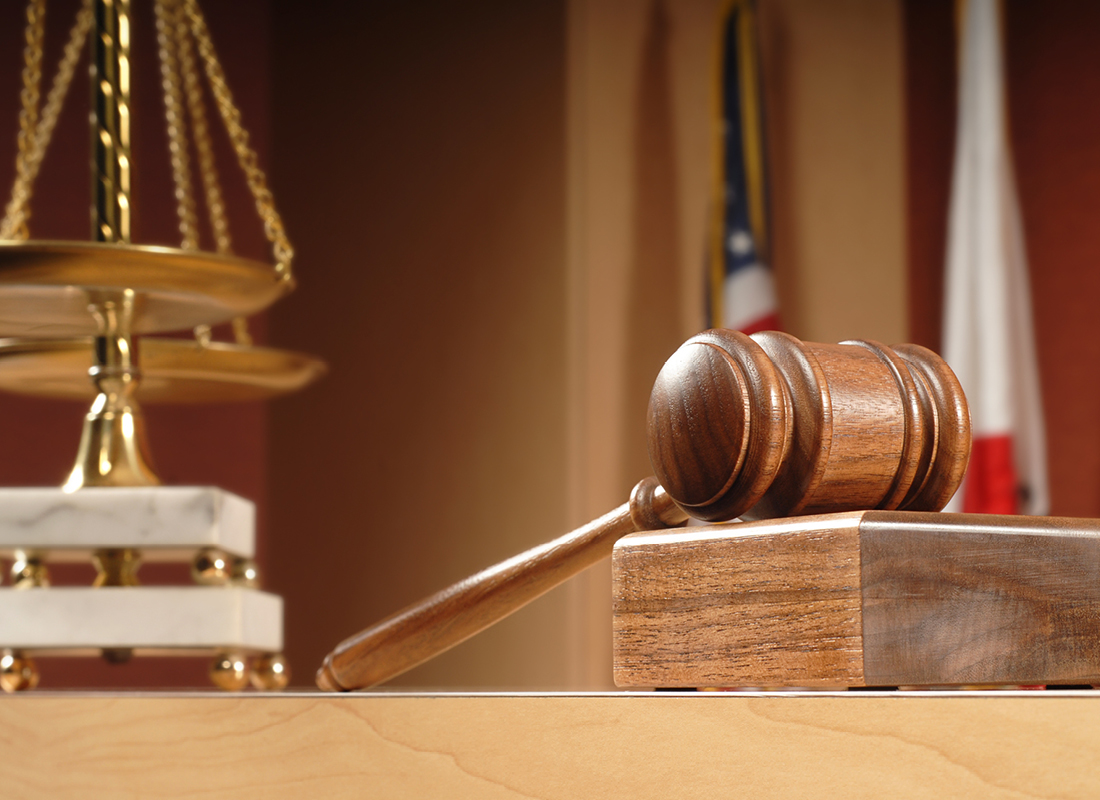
1010 745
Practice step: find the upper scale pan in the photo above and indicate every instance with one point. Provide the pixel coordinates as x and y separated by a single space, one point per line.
45 286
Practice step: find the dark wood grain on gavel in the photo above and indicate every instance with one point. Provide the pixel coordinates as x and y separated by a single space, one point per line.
739 426
768 426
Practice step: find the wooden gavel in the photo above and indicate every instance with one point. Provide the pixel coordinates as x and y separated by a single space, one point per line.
739 426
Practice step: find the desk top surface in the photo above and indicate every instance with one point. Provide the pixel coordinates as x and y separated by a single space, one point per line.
551 745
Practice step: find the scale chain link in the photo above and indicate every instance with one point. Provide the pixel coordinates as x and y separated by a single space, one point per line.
176 124
14 225
60 88
18 210
200 130
246 156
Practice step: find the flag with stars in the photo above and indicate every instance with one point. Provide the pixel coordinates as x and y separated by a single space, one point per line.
741 288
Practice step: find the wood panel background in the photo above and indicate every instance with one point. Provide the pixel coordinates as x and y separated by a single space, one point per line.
420 161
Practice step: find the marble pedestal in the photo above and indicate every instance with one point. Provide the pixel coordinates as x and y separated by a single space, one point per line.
166 523
162 523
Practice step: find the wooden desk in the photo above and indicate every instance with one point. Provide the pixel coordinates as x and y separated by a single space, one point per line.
646 745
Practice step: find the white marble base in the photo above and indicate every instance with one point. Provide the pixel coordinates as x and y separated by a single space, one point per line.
164 522
71 620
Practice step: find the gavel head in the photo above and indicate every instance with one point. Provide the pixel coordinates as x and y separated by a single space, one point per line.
767 426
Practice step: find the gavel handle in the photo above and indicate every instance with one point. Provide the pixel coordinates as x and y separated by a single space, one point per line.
428 628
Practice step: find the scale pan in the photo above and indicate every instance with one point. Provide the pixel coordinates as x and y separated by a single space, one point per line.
173 370
45 286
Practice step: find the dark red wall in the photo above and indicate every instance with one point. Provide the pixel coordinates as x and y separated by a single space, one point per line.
1053 79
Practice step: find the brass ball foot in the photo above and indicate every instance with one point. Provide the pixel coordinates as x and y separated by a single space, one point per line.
17 672
271 672
229 672
244 573
211 567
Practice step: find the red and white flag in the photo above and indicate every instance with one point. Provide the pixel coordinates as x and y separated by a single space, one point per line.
988 335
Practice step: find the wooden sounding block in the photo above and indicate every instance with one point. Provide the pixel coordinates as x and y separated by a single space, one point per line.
871 598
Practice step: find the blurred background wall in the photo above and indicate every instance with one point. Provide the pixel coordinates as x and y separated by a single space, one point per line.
420 162
498 210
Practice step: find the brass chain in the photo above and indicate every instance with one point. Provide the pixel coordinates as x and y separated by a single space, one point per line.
14 225
200 129
60 88
246 156
176 123
16 215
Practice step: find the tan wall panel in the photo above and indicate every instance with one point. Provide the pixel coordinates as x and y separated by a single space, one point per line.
833 75
637 197
420 158
639 169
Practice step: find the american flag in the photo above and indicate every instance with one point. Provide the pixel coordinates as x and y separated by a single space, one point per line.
988 334
741 288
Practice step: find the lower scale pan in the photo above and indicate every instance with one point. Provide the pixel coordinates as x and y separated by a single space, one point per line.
173 370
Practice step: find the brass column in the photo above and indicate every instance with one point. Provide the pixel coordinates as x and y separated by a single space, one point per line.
112 446
111 122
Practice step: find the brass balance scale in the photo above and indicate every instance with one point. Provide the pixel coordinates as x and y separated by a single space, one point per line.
65 306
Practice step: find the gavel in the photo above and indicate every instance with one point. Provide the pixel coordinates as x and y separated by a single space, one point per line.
739 426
